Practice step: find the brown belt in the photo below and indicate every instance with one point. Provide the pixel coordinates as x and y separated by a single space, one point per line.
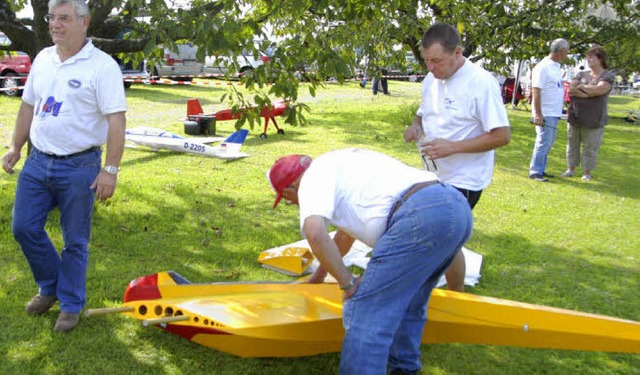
407 194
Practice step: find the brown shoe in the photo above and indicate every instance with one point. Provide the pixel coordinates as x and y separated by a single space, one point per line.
66 322
40 304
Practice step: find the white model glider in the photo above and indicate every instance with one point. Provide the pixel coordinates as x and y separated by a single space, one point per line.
160 139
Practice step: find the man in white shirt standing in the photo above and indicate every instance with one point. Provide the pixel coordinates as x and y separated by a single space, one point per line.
547 101
73 103
461 120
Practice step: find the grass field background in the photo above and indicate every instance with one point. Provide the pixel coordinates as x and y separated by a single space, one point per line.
566 243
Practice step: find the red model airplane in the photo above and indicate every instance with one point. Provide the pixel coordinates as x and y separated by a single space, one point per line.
200 123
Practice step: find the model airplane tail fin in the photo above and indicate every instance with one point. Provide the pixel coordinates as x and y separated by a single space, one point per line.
194 107
237 137
230 148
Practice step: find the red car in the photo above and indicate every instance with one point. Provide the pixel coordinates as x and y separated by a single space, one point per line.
14 68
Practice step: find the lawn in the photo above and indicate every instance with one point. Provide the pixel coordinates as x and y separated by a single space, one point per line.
566 243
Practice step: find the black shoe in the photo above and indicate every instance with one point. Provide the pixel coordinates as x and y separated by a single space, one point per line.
545 174
538 178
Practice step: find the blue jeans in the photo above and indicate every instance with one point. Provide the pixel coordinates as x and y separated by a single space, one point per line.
385 318
45 183
545 137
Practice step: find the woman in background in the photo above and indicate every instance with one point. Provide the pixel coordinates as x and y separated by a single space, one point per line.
589 92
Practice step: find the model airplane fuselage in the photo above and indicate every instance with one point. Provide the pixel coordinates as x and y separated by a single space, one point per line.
157 139
298 319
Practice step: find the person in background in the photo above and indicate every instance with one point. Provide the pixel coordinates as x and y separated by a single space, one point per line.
73 103
415 225
365 78
460 122
380 83
588 113
547 101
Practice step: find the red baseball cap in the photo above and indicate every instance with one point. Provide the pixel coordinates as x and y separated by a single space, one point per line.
285 171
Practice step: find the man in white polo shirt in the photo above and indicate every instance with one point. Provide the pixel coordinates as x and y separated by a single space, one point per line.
546 106
459 124
73 103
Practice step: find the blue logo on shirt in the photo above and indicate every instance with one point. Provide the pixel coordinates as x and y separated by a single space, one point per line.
50 106
74 83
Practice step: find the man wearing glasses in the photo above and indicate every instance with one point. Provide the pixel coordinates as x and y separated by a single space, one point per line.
460 122
73 103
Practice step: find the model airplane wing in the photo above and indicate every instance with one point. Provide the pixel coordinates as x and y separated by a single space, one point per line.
157 139
156 132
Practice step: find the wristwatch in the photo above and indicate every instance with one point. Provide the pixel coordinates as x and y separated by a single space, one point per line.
111 169
349 285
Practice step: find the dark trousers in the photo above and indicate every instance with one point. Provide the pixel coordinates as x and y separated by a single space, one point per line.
472 196
383 83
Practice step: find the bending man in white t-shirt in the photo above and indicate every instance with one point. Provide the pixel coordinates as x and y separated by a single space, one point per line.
460 122
415 225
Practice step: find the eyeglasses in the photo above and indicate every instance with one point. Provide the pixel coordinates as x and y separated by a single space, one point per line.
61 18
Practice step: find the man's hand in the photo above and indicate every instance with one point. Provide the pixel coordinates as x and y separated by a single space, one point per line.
104 185
318 276
9 160
413 133
351 291
439 148
538 120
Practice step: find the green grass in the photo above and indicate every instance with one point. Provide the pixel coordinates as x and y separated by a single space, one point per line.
567 243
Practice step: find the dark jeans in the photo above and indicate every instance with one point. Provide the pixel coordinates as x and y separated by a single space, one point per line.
383 83
43 184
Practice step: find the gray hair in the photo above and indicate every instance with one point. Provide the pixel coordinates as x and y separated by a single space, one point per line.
558 45
80 6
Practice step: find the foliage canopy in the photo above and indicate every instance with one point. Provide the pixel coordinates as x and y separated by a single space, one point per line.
333 38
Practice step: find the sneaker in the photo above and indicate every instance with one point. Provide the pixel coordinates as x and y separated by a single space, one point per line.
568 173
66 322
40 304
538 177
545 174
586 177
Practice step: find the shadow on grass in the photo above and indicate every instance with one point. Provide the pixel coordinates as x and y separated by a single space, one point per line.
177 94
622 99
539 274
617 173
160 227
160 232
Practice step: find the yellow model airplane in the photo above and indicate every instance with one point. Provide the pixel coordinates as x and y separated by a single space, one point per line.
296 319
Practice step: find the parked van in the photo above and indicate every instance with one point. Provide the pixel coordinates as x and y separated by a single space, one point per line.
244 64
181 66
